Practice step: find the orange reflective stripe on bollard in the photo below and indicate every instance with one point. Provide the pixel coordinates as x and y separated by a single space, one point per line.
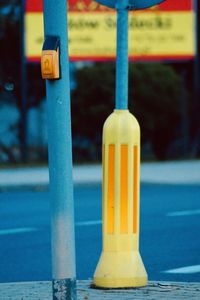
111 188
124 189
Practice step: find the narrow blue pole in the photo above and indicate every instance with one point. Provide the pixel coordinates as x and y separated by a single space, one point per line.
122 60
60 158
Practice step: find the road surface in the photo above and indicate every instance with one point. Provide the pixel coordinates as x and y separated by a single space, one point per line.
169 243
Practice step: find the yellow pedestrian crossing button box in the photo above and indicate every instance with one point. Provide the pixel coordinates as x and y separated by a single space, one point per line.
50 60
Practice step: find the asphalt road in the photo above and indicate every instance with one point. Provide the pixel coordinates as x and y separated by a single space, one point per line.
170 226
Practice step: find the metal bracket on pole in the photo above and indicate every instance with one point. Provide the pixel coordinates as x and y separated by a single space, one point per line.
130 4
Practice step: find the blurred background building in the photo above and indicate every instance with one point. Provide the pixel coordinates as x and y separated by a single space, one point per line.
163 88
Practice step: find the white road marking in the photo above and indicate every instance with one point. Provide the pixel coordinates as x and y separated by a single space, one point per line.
17 230
184 270
89 223
11 231
184 213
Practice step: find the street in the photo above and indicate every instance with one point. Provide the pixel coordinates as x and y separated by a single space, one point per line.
169 240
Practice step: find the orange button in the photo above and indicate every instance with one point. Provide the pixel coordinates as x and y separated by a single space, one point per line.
50 64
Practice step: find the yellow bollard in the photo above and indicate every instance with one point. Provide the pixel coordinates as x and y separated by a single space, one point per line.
120 264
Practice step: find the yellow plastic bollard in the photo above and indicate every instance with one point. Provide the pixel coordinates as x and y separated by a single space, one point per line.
120 264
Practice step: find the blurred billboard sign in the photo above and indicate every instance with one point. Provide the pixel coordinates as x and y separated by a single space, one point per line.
164 32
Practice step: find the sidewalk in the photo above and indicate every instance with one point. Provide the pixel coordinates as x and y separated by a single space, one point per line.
154 290
176 172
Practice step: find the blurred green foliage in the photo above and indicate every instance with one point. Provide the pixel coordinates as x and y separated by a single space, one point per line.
154 98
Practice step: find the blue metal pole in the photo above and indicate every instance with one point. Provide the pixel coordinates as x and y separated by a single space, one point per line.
122 59
60 158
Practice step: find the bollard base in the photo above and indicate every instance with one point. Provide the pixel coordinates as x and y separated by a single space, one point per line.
120 270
